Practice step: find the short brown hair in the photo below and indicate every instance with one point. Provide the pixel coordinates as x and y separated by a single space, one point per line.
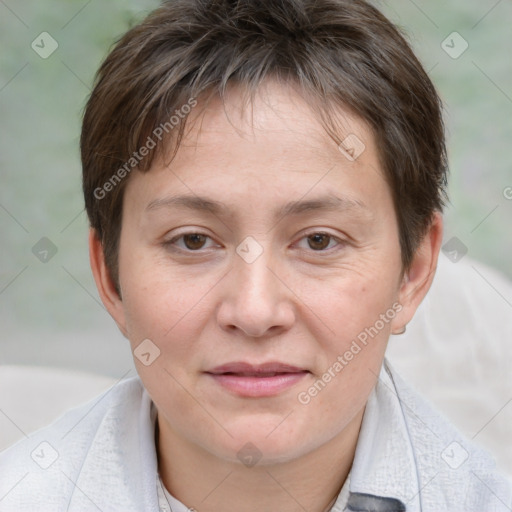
342 53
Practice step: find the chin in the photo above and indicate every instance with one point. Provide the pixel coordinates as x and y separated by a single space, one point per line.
261 446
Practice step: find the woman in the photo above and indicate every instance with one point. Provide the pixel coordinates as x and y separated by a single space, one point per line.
264 183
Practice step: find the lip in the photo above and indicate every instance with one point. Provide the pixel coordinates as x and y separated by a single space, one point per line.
249 380
240 367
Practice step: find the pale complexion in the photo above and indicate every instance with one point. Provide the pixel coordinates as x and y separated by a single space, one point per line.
301 302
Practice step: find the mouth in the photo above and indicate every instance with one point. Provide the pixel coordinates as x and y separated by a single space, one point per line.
268 379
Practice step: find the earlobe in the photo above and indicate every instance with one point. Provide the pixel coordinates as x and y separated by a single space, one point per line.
104 283
418 278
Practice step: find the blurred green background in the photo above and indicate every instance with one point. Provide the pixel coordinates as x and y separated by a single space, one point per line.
50 313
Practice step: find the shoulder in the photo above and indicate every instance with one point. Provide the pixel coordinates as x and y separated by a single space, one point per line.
44 467
448 464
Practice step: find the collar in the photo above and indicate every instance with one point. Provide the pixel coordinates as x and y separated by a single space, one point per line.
384 476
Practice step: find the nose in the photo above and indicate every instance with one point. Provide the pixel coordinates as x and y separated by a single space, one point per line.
256 300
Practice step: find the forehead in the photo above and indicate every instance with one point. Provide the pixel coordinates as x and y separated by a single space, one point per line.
277 115
274 146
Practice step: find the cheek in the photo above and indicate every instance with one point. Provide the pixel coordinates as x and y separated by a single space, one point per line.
166 307
356 315
351 359
346 306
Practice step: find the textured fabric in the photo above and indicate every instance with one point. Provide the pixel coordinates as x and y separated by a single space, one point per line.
101 455
409 452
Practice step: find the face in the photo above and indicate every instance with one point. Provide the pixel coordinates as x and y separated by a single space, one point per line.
263 264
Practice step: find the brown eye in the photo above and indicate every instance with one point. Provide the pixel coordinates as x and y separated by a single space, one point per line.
194 241
319 241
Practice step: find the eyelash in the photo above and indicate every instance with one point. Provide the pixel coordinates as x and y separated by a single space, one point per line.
172 246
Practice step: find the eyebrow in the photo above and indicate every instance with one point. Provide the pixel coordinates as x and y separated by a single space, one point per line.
198 203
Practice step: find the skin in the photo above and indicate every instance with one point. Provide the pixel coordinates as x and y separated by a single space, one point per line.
302 301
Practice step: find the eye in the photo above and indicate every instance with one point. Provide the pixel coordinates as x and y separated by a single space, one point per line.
192 242
319 241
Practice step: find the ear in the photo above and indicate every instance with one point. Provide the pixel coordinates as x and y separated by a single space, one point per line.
417 280
106 287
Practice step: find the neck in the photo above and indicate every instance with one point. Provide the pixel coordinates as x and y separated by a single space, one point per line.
207 483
